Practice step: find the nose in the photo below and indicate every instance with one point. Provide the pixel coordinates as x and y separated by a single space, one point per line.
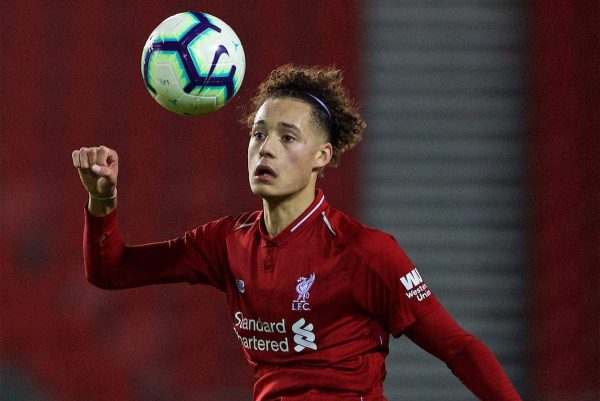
266 148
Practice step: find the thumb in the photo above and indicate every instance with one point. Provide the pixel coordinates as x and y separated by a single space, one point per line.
102 171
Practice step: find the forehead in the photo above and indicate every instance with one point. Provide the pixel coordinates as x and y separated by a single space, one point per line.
285 109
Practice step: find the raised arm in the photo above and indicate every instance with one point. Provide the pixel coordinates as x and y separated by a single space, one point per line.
98 169
196 257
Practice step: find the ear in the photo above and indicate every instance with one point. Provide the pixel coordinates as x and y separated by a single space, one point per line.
323 156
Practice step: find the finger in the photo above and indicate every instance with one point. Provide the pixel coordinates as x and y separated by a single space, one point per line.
106 160
101 156
91 156
102 171
75 156
111 156
83 159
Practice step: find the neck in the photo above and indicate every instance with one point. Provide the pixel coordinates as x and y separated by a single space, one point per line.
281 212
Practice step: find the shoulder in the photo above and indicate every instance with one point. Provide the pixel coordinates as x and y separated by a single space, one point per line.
368 248
229 224
360 237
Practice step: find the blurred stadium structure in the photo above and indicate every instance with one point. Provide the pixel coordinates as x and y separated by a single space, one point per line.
446 171
482 157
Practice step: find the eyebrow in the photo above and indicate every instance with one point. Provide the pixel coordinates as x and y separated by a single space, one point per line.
290 126
284 124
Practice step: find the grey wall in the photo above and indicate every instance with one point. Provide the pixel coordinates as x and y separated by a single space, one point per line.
445 161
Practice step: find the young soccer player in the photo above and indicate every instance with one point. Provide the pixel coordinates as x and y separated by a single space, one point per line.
313 295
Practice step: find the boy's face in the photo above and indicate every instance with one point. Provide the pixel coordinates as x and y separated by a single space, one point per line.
287 148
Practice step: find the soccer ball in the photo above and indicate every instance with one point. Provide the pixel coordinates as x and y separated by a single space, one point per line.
193 63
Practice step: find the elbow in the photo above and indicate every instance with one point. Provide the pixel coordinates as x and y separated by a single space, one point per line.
97 280
469 347
461 345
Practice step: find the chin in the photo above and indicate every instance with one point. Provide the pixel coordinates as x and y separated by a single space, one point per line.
269 192
264 191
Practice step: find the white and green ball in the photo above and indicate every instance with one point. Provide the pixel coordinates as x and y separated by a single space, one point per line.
193 63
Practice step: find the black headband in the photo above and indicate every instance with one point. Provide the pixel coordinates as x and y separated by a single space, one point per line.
323 106
327 113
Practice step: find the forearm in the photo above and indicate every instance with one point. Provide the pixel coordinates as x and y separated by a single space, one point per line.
103 247
480 372
110 264
467 357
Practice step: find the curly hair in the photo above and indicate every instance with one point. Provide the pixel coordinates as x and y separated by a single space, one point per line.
344 125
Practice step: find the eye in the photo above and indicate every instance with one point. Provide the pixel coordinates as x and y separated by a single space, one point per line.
258 135
288 138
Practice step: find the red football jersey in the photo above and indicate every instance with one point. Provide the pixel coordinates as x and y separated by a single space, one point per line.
313 307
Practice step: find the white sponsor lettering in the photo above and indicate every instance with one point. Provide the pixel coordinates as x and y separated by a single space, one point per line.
303 334
258 325
421 292
261 326
413 282
260 344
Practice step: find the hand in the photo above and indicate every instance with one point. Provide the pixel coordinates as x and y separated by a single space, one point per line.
98 169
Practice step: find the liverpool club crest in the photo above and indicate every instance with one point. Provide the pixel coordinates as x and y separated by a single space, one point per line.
303 288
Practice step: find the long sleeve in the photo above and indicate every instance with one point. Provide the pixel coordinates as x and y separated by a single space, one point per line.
196 257
386 284
466 356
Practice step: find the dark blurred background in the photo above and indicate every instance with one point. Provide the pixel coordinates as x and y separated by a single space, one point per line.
482 157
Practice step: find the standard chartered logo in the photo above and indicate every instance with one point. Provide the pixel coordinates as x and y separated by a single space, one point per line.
261 335
304 337
263 328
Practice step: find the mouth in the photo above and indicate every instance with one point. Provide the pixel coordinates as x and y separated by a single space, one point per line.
264 172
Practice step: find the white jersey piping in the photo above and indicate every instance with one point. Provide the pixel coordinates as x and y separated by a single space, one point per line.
308 215
326 220
245 225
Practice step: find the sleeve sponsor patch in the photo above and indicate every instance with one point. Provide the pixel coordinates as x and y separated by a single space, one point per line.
414 285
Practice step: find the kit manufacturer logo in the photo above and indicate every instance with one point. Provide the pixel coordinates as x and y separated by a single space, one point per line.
240 285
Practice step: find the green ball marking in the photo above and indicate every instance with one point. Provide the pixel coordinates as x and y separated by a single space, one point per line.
202 49
174 61
218 93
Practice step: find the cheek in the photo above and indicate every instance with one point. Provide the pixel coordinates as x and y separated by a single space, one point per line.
252 148
302 160
251 154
